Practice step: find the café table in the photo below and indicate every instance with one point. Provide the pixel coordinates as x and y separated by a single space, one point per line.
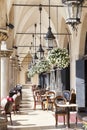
67 106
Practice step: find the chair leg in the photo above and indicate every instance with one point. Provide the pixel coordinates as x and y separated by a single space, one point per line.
64 119
11 119
76 119
42 105
56 119
34 105
52 106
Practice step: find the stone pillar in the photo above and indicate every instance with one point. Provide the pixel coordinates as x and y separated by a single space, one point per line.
58 82
3 37
5 55
52 79
10 74
72 63
14 68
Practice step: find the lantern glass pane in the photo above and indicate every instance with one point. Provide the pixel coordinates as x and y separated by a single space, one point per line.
50 43
73 12
40 55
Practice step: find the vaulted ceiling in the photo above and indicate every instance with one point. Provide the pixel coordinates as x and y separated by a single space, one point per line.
23 14
26 13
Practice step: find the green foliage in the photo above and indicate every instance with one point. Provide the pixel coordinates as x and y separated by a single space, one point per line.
59 57
32 71
43 66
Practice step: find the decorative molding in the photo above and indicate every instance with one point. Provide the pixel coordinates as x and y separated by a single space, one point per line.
5 53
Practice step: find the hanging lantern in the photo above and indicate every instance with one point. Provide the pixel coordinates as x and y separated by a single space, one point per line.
49 35
40 52
73 11
50 39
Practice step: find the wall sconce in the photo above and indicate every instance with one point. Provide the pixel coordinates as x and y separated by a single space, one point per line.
73 11
49 36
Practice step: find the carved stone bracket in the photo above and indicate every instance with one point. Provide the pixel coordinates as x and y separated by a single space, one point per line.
5 53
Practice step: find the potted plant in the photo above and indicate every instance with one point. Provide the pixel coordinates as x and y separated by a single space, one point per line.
59 57
32 71
43 66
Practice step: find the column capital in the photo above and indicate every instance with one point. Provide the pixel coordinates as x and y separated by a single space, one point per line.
5 53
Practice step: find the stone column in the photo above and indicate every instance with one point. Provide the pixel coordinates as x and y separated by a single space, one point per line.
10 74
14 68
3 37
58 82
5 55
52 79
72 62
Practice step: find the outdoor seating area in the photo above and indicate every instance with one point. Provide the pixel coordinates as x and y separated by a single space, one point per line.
43 64
62 105
30 118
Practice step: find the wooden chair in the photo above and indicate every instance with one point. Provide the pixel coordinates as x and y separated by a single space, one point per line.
59 111
38 98
8 106
17 100
50 99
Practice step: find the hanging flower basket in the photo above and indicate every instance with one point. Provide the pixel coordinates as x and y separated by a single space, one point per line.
59 57
43 66
32 71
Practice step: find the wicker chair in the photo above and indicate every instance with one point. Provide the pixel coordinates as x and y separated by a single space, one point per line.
59 111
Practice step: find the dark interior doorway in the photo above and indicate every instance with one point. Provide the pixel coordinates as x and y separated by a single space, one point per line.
43 80
65 77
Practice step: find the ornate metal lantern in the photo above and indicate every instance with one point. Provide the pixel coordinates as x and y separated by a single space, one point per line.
73 11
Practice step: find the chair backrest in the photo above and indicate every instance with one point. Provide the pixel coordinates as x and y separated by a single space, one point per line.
73 96
14 96
3 102
17 100
59 100
51 93
67 95
8 107
37 95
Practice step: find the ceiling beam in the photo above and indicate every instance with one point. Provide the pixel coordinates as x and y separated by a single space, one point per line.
28 46
42 33
35 5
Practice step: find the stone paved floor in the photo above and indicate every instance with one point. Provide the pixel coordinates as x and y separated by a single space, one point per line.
29 119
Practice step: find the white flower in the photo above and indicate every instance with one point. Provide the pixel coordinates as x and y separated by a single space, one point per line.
43 66
59 57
